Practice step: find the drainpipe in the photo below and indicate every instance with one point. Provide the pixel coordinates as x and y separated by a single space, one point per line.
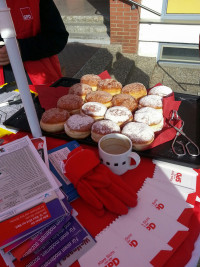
8 34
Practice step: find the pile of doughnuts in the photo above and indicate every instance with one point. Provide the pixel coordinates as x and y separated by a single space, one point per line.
98 107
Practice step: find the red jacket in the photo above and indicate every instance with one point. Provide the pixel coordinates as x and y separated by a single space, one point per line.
26 18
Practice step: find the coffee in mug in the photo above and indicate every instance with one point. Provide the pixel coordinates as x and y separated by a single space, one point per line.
115 146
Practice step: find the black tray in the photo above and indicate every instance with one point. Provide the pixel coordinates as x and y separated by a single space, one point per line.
65 81
189 111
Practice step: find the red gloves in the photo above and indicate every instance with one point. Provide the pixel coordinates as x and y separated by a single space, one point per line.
97 185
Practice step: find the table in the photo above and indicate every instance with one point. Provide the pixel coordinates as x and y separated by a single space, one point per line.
134 177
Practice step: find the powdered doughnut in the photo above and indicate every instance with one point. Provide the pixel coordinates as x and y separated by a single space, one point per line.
53 120
78 126
151 117
71 103
103 127
140 134
99 96
160 90
91 79
119 115
152 101
125 100
80 89
110 85
137 90
94 109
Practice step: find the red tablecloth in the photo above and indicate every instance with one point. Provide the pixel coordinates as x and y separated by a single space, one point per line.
134 178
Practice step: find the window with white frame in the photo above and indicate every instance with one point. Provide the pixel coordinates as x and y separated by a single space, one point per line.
178 53
181 10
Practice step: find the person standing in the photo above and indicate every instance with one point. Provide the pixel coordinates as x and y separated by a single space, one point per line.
41 35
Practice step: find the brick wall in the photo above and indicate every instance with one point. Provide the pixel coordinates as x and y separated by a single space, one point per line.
124 25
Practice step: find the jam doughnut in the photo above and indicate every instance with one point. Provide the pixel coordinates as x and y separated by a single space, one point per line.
152 101
137 90
80 89
110 85
119 115
53 120
140 134
78 126
91 79
99 96
94 109
160 90
103 127
151 117
71 103
125 100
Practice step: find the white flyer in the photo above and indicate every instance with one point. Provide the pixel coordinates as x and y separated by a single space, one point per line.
112 250
56 159
141 241
162 201
24 177
177 175
161 225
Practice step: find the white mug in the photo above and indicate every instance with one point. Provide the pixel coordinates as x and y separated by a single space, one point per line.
115 151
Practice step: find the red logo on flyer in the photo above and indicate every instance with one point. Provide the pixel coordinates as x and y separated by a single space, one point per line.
160 206
26 13
133 243
112 263
148 225
157 205
178 177
151 226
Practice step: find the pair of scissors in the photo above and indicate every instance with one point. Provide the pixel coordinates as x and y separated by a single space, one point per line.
190 147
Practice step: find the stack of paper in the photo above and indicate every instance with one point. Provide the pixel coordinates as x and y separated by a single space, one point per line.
152 231
37 224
